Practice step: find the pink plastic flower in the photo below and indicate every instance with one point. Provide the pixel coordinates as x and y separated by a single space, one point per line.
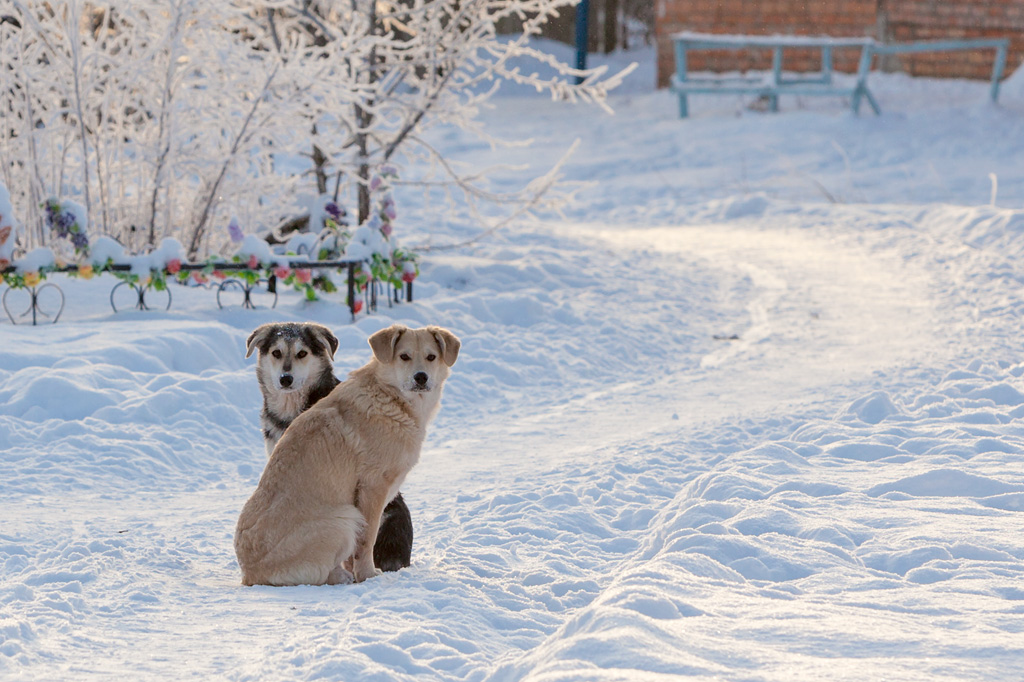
254 262
357 306
200 277
174 266
408 276
282 272
304 276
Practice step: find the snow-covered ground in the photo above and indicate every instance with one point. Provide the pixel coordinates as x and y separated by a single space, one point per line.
616 487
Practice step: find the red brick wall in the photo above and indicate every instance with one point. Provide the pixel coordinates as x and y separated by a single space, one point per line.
908 20
892 20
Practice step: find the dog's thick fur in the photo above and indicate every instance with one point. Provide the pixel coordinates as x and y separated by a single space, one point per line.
295 370
315 514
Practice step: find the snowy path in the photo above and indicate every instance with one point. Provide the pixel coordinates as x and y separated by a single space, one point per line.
809 529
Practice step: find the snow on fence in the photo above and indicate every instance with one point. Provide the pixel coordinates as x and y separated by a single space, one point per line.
369 259
360 285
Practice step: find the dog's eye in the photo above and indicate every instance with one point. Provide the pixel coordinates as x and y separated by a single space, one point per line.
301 354
277 354
431 357
405 357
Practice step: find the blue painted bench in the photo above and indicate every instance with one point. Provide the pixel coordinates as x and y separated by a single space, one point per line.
774 83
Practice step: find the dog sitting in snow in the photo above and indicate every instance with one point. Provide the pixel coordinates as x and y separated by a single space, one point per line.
295 371
315 515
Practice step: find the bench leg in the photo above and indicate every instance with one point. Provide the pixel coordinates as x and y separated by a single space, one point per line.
773 99
871 100
861 89
997 71
681 68
863 92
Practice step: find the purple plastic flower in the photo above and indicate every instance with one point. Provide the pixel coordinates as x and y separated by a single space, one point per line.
375 183
235 230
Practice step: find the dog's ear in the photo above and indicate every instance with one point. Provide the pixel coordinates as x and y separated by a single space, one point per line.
384 342
326 336
449 344
257 337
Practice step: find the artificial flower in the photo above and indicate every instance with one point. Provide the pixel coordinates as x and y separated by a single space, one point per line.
235 230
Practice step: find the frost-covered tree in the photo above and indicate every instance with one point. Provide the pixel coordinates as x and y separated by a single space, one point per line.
153 115
404 66
166 117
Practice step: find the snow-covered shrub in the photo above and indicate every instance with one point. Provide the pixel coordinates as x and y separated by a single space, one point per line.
416 65
166 117
156 116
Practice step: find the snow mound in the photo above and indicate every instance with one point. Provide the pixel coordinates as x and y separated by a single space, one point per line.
871 409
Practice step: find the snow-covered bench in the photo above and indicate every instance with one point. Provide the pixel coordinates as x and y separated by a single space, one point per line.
775 83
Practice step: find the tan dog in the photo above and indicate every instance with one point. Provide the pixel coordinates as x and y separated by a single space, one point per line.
317 507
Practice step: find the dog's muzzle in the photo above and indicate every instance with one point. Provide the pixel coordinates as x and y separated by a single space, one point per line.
285 380
421 380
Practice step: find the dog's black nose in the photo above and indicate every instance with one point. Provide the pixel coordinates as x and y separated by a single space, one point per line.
420 378
286 380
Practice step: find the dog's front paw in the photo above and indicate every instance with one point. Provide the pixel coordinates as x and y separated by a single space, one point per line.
364 570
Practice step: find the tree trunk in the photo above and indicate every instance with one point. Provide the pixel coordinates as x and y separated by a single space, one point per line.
611 25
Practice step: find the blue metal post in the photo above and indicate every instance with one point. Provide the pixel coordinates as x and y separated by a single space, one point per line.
582 17
998 66
773 98
681 68
826 64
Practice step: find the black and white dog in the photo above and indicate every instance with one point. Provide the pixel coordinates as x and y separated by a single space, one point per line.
295 369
